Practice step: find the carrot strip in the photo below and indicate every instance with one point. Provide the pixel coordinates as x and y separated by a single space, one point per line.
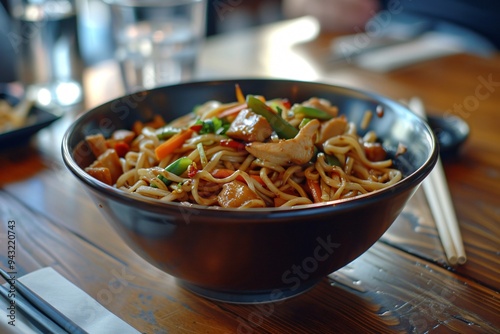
172 143
315 190
239 94
121 148
231 111
258 179
278 201
237 108
222 173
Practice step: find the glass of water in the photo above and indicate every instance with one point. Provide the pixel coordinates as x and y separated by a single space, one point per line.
157 41
46 45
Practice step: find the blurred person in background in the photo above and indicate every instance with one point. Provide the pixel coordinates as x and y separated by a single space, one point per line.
477 22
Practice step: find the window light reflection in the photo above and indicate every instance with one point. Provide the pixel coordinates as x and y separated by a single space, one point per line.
281 60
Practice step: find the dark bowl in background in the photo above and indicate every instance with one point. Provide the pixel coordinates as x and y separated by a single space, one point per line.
37 119
253 255
450 131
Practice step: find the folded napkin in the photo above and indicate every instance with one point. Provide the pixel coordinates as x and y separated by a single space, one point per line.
74 303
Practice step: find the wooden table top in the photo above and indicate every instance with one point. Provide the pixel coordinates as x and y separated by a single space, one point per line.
401 284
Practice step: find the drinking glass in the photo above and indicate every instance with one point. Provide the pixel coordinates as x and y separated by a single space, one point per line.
157 41
46 44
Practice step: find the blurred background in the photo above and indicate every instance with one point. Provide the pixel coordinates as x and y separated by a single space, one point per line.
95 36
475 23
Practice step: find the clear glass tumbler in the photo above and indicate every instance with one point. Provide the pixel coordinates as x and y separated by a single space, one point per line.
157 41
46 43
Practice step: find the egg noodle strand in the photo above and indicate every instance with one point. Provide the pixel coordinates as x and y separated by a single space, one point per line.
273 184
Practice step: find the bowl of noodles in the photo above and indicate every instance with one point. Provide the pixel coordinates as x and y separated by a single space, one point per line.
251 190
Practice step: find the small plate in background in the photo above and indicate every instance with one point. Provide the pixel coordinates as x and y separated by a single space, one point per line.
451 132
38 118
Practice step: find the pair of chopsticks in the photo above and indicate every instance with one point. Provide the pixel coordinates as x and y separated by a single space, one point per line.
439 199
41 314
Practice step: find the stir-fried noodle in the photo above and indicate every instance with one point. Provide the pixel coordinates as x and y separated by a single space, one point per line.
244 154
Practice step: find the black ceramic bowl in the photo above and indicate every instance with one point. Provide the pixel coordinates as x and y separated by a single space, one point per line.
253 255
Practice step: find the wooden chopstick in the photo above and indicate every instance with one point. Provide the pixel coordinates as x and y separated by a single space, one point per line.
40 312
439 199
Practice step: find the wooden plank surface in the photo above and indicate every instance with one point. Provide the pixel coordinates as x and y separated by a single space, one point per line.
389 289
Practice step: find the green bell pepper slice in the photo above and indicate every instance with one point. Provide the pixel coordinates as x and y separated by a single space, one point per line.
282 128
311 112
177 167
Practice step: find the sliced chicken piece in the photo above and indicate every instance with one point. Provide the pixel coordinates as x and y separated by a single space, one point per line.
97 144
156 122
374 151
96 164
101 173
236 194
123 135
331 128
110 160
249 126
298 150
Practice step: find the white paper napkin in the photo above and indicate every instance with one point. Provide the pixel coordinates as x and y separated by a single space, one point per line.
70 300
